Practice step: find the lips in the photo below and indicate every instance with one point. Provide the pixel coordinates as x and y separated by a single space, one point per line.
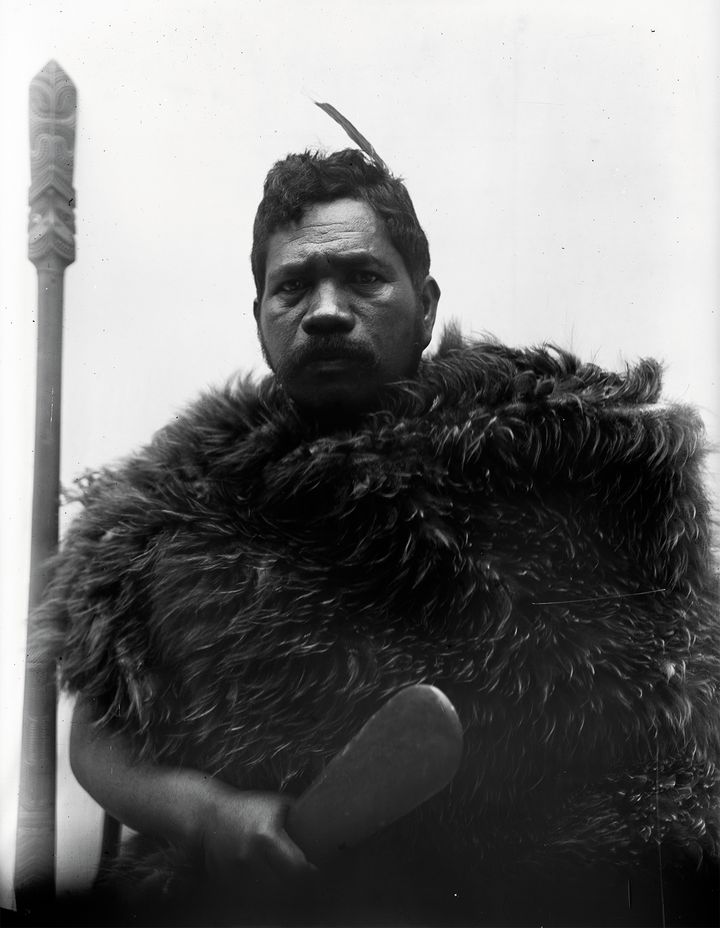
330 362
325 358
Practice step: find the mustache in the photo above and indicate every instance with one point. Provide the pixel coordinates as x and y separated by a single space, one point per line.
326 347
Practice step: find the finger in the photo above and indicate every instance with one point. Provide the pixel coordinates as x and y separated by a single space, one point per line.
284 858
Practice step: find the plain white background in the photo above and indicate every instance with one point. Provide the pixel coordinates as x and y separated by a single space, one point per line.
562 155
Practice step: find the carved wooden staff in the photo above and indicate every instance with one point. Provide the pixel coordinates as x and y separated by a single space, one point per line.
53 104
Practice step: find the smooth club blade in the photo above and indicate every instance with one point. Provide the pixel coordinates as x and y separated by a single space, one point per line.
404 754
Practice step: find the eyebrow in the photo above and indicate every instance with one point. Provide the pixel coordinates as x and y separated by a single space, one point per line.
346 259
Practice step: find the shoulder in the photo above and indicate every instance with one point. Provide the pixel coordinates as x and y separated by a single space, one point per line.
200 435
492 373
549 393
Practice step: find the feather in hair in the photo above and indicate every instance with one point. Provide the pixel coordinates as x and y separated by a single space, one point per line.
354 134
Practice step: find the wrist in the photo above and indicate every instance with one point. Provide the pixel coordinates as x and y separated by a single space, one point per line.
201 811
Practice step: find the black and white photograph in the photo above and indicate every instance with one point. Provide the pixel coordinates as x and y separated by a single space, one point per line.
360 468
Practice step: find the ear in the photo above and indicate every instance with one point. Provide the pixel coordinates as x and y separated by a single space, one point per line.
429 297
256 310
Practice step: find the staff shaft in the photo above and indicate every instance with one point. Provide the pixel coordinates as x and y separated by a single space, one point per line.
47 424
53 106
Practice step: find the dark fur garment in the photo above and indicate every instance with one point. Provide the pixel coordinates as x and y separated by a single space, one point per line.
526 532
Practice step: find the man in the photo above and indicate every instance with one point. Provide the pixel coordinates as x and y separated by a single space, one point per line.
525 532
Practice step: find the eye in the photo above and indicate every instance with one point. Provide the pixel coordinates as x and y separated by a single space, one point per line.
292 286
365 278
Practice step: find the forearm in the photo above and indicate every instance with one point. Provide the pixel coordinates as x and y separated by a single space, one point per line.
228 828
163 801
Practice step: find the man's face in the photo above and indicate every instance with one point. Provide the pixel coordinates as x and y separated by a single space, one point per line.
339 317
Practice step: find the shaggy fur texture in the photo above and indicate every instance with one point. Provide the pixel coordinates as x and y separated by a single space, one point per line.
526 532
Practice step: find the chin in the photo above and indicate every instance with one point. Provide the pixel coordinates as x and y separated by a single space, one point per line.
335 407
337 403
321 395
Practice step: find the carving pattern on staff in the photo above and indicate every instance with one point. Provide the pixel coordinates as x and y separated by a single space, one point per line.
53 107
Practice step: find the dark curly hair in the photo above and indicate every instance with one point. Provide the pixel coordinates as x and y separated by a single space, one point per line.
301 180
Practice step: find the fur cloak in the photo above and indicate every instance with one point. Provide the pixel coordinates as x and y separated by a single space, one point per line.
526 532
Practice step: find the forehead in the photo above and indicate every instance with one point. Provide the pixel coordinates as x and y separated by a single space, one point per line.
331 230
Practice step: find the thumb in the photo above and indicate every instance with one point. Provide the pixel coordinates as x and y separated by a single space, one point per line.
285 858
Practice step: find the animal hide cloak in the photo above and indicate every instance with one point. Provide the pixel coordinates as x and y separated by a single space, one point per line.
526 532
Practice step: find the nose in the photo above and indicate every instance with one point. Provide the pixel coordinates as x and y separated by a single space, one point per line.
329 311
